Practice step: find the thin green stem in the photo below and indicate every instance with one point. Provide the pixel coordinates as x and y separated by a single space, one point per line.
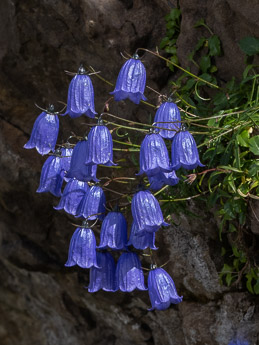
179 67
127 144
126 150
220 135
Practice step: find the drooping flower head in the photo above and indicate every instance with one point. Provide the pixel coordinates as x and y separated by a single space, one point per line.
104 276
78 169
159 180
82 249
153 157
113 231
141 240
131 81
161 289
52 175
92 204
184 151
45 132
99 150
168 112
66 154
72 195
129 274
146 211
81 95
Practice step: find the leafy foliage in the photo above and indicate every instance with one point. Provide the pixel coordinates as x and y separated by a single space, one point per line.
226 123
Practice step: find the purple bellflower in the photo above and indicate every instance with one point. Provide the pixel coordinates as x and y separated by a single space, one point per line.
159 180
168 112
141 240
80 95
52 175
82 249
66 154
184 152
99 150
103 277
113 231
131 81
161 289
153 157
146 212
92 203
72 195
45 132
78 169
129 274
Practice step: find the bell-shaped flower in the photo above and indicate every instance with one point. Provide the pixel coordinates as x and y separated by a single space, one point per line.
81 95
78 169
131 81
66 154
72 195
146 212
184 152
82 249
52 174
129 274
44 133
141 240
166 113
161 289
153 157
161 179
113 231
100 146
92 205
103 277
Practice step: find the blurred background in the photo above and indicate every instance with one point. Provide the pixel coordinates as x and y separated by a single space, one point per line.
41 302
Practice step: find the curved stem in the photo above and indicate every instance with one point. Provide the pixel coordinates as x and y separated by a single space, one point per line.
179 67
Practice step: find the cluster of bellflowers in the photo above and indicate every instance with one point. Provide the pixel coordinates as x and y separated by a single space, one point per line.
83 196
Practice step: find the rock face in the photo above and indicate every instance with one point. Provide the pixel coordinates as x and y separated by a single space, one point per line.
41 301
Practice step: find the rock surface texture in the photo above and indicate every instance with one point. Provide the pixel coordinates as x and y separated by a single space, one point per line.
42 302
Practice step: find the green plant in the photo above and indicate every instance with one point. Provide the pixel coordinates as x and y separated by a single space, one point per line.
226 121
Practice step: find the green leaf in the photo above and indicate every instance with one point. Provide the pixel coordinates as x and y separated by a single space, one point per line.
205 63
227 167
256 287
171 50
246 71
164 42
173 15
232 228
200 44
223 251
213 69
249 45
243 138
226 269
249 283
199 23
214 46
220 98
254 144
253 171
235 252
229 278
